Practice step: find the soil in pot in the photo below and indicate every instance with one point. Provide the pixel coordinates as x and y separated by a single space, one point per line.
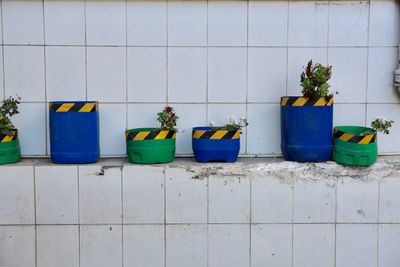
215 145
355 145
150 145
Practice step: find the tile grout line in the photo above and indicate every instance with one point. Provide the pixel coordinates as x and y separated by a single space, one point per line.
207 64
46 115
2 48
368 62
165 216
79 215
166 53
208 220
86 47
247 76
378 224
292 224
287 46
35 216
335 225
122 216
126 66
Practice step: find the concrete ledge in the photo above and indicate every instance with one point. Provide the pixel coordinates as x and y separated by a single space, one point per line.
256 212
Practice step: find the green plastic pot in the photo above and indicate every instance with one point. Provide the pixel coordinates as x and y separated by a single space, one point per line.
352 148
150 145
10 151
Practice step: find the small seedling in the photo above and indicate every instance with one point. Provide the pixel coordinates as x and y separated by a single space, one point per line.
167 118
8 109
233 124
382 125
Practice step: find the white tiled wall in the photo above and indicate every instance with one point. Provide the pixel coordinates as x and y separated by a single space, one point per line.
209 59
116 214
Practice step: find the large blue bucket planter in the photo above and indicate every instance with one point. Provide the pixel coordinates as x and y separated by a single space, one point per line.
306 129
74 132
215 145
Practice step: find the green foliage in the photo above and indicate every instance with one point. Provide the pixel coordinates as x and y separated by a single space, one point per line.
382 125
167 118
8 109
314 80
233 124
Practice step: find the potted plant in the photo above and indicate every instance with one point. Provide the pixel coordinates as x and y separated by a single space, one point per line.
307 121
153 145
356 145
218 143
10 150
74 132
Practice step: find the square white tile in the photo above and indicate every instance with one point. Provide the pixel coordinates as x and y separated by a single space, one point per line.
389 201
146 22
384 15
357 201
65 73
386 143
382 61
314 245
31 122
389 243
229 199
106 74
349 74
58 246
97 185
314 202
26 62
106 22
64 22
187 74
143 194
272 201
147 74
268 23
56 194
349 114
356 245
112 126
186 198
272 244
22 22
266 81
144 245
186 245
308 23
187 23
228 245
190 115
348 23
101 245
17 195
297 60
143 115
227 23
263 118
218 114
13 240
227 74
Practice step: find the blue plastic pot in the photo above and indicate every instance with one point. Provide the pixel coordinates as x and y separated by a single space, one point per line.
215 145
74 132
306 129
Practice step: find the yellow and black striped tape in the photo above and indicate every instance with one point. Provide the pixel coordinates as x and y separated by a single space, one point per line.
8 138
305 101
353 138
216 134
150 135
74 107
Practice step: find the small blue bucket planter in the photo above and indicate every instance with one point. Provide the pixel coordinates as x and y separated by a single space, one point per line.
215 145
306 129
74 132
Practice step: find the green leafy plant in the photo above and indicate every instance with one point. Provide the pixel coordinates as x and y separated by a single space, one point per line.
382 125
314 80
233 124
167 118
8 109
